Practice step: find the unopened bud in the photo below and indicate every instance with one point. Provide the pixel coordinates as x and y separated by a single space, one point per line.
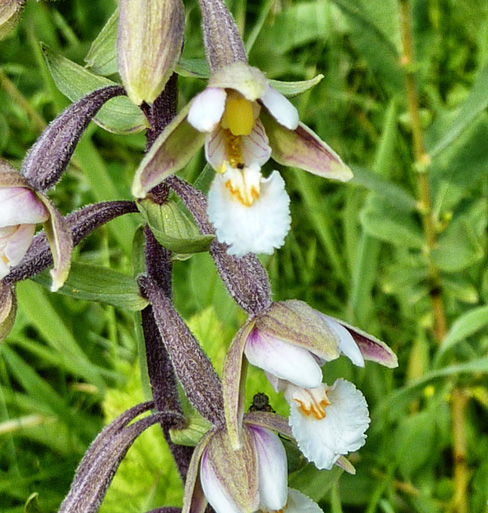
150 39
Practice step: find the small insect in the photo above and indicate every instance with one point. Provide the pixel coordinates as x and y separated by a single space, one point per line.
260 402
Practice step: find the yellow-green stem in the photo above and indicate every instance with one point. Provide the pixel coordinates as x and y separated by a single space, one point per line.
422 163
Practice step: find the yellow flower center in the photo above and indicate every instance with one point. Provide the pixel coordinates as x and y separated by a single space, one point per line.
238 115
314 405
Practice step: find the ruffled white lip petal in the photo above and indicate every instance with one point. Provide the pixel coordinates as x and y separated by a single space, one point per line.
19 205
207 109
213 490
272 468
340 432
300 503
283 360
14 242
280 108
347 344
259 228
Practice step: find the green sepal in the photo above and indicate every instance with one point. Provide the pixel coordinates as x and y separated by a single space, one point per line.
8 310
119 115
172 228
96 283
171 151
193 432
291 89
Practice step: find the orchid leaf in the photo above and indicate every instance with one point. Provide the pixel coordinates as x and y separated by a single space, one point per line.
102 56
172 228
97 283
119 115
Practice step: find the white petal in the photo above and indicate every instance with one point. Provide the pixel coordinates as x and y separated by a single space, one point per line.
300 503
207 109
255 147
19 205
214 492
280 108
259 228
14 242
215 150
272 468
347 344
282 359
341 431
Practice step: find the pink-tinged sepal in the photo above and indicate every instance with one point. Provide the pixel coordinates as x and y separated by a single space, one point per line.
303 149
60 241
328 422
371 348
171 151
297 323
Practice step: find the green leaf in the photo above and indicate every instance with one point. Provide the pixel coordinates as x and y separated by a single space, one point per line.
378 49
102 56
119 115
291 89
172 228
468 324
383 221
97 283
32 504
458 247
196 427
193 68
476 102
314 483
389 191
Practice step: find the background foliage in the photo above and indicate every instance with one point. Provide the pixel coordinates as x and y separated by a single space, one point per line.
357 251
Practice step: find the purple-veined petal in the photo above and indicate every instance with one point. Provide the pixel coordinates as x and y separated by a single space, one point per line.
258 228
207 109
215 493
255 147
272 468
347 345
14 243
303 149
282 359
19 205
280 108
339 432
215 150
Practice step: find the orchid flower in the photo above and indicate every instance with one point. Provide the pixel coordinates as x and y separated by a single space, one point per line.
242 121
21 209
291 342
249 479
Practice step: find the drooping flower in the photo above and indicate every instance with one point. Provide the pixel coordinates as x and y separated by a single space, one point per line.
248 479
291 342
21 209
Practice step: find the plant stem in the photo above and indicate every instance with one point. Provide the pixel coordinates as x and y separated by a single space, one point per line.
422 164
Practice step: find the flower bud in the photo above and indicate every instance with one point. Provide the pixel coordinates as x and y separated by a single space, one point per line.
10 11
150 39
